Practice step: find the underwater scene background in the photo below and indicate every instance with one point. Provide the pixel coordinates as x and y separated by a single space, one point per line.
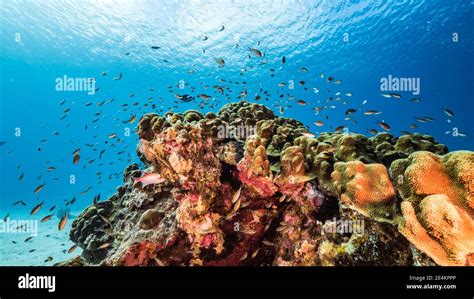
323 63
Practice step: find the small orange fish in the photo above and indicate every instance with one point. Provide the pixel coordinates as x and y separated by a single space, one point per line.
301 102
39 188
36 208
204 96
384 126
71 250
76 159
339 129
46 218
62 222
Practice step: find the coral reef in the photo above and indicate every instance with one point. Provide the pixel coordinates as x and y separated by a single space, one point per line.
245 187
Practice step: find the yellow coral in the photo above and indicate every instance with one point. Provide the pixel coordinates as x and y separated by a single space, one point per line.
292 167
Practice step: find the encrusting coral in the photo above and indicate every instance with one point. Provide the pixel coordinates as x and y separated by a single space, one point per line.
438 206
367 188
245 187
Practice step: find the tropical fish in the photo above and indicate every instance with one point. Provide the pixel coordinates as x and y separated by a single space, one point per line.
36 208
372 112
71 250
268 243
301 102
372 131
391 95
219 61
119 77
46 218
256 52
204 96
236 195
62 222
349 111
384 126
448 112
319 123
104 246
186 98
339 129
150 178
39 188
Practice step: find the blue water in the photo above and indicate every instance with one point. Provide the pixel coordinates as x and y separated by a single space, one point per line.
356 42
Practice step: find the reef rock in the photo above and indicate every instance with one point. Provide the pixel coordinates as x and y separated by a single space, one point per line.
245 187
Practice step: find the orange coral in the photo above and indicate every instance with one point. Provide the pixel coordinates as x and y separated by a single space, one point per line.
424 173
366 188
442 230
438 207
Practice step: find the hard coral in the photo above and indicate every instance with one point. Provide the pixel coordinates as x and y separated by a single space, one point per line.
442 230
254 168
424 173
438 207
277 196
367 188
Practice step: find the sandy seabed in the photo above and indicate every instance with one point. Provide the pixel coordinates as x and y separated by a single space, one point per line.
48 242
